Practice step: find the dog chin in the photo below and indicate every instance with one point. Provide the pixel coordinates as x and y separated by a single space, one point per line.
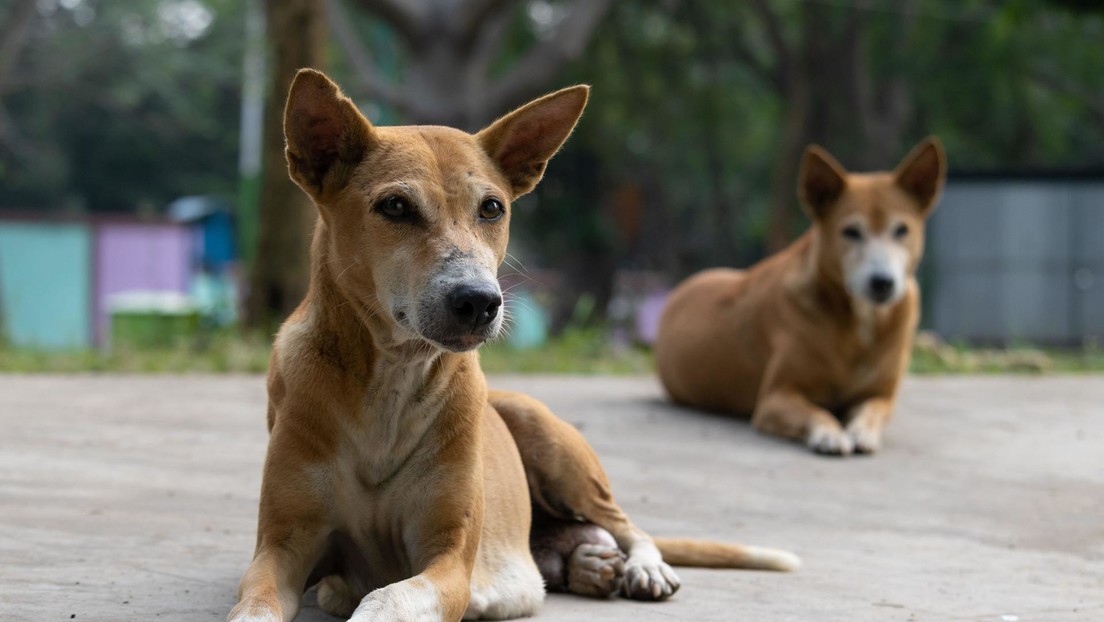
881 304
463 343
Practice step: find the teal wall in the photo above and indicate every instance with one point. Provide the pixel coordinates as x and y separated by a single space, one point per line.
45 284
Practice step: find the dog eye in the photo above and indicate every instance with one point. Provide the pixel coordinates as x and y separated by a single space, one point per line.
852 233
900 231
491 209
395 208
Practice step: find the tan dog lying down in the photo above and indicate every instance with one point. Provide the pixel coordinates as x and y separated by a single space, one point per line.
394 480
821 332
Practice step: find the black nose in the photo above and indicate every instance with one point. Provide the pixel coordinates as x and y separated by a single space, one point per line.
474 306
881 287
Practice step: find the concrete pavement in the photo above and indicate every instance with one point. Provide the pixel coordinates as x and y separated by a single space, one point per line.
135 498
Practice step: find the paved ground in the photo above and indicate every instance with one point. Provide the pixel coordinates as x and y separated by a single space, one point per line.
135 499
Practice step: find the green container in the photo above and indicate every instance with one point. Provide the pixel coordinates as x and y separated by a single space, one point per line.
151 320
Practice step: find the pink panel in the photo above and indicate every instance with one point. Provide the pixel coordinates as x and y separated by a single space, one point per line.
135 256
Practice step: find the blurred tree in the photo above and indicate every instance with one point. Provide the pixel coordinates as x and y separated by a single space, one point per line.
819 67
686 155
14 32
281 267
454 50
121 106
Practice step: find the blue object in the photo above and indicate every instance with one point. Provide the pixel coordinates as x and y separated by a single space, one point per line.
46 284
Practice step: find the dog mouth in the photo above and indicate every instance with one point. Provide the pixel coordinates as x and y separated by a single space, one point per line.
881 300
462 343
452 338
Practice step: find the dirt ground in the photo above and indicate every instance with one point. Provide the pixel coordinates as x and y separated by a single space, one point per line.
135 498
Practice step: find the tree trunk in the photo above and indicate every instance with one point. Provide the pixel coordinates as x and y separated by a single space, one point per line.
822 62
280 271
448 77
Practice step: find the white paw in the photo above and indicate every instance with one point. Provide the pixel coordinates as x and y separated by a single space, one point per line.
246 613
412 600
595 570
866 438
830 439
649 581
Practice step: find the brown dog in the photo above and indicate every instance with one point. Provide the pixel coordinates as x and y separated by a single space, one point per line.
822 331
394 480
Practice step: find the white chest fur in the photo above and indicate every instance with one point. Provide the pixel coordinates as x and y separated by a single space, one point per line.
399 408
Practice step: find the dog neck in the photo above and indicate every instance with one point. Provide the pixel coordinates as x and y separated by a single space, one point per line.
399 391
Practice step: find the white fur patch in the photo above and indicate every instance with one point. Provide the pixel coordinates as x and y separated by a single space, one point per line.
647 576
412 600
828 439
516 591
866 435
876 256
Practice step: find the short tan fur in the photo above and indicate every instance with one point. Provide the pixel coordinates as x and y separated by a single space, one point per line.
394 480
812 342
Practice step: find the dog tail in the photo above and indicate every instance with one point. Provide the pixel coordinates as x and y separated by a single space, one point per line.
705 554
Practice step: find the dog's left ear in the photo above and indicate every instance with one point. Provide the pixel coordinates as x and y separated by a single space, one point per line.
523 142
922 173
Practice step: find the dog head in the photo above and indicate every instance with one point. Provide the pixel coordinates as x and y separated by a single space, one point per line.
870 226
417 218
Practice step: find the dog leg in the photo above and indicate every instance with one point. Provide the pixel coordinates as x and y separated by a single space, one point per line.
567 480
866 423
272 587
292 534
789 415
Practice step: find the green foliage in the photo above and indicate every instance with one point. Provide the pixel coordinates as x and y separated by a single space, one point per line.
220 353
576 351
684 109
124 106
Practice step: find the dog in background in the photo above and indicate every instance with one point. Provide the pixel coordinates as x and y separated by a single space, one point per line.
394 480
812 342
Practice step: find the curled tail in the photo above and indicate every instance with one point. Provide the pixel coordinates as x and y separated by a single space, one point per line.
706 554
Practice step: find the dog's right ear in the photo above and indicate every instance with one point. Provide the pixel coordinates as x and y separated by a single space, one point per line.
522 142
326 134
820 181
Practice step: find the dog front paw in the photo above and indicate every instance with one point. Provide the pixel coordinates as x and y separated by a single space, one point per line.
412 600
250 612
649 581
830 439
867 438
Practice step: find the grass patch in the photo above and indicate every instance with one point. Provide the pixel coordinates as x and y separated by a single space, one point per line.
577 351
220 353
931 355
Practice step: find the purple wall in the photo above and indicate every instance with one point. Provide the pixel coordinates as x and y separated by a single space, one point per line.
134 256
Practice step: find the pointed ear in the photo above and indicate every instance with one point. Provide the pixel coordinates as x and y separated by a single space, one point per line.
922 172
326 134
523 142
820 182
